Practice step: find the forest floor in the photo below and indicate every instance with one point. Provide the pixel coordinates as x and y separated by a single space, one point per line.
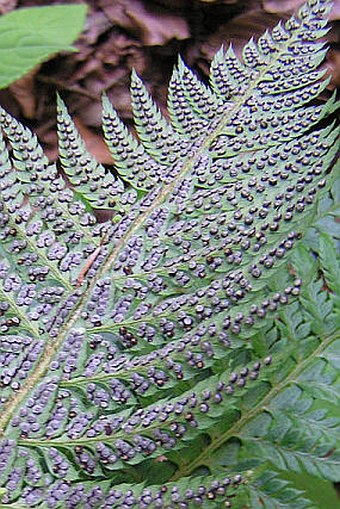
146 35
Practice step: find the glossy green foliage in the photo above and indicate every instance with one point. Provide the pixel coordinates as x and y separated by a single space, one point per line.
30 36
183 354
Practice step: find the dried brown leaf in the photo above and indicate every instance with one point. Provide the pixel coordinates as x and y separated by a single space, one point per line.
23 91
281 6
153 26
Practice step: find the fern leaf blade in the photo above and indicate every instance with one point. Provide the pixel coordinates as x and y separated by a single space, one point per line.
98 187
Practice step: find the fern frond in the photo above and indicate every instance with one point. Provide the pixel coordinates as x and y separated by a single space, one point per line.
97 186
132 161
271 492
169 357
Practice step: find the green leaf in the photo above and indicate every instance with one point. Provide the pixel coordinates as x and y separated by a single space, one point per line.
321 493
31 35
328 254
